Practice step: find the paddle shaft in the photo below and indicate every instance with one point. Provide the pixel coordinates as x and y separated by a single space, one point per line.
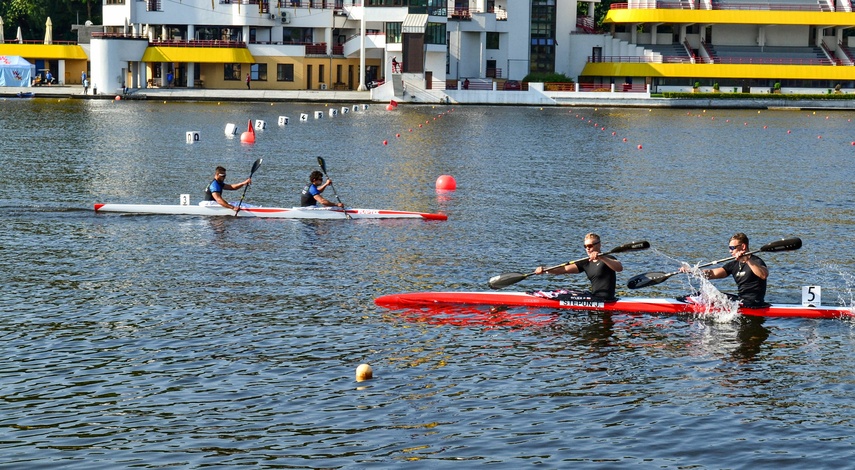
255 166
651 279
323 166
712 263
504 280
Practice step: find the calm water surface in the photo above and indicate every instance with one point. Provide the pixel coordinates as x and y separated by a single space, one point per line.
183 342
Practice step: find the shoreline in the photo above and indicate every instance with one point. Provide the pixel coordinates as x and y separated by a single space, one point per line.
454 97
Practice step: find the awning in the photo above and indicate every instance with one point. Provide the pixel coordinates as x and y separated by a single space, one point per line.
204 55
414 24
42 51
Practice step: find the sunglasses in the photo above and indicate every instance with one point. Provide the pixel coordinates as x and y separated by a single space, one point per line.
221 174
591 245
732 247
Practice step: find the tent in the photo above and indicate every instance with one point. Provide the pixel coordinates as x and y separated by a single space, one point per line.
16 71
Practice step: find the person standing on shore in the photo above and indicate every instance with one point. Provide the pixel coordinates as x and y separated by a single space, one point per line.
248 79
85 85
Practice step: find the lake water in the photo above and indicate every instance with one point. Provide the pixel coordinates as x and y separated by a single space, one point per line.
185 342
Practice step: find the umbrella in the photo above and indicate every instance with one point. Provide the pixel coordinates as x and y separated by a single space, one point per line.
2 38
20 36
48 31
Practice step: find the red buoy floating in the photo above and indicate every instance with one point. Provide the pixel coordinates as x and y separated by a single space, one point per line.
248 137
446 183
392 105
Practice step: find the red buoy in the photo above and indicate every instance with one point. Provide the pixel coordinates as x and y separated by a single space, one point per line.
446 183
248 137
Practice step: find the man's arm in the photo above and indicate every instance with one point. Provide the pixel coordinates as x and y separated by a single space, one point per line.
324 202
222 202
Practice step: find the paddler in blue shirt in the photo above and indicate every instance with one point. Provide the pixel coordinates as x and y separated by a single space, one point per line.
214 191
749 272
311 194
601 269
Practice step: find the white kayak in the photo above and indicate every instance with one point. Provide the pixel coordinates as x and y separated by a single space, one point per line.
267 212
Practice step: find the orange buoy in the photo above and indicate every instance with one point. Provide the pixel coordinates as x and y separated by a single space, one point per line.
389 107
248 137
446 183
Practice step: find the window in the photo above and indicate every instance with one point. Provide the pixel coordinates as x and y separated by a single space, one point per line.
297 35
285 72
435 33
393 33
542 33
492 40
258 72
114 2
231 72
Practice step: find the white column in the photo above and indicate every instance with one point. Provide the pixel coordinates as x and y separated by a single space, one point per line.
191 74
362 86
482 61
60 74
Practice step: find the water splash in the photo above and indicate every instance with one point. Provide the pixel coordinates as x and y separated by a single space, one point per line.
717 307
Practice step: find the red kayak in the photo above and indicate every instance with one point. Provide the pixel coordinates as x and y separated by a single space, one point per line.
628 305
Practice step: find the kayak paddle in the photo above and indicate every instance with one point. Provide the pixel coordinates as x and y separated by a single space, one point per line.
651 279
255 166
504 280
323 166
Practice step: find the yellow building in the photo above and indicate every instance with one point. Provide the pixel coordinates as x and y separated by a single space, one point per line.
745 46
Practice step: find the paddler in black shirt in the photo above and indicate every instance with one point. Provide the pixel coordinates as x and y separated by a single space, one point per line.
749 272
601 269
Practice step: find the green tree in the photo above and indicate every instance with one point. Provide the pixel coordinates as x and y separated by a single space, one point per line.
600 10
31 16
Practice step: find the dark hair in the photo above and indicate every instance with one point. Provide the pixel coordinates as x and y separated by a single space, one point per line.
741 238
220 170
316 175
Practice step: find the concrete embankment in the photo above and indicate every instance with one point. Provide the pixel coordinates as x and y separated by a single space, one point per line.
532 97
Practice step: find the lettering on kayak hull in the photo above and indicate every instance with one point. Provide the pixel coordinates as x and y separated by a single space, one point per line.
582 303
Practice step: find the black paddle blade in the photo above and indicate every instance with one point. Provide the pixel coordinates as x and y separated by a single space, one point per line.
255 166
504 280
647 279
786 244
322 164
632 246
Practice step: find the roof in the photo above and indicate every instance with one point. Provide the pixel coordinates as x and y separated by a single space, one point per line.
13 61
